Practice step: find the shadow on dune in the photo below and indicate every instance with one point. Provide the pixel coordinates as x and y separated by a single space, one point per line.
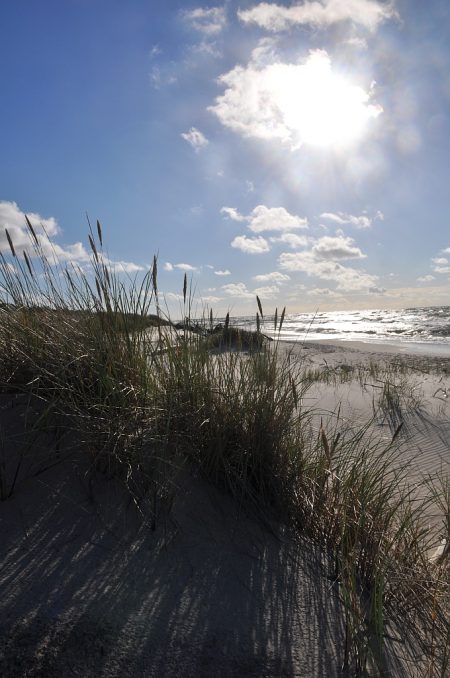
87 589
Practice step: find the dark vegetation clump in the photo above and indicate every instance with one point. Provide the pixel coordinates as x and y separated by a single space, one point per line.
235 337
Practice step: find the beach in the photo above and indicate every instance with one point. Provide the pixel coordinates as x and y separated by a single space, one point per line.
89 588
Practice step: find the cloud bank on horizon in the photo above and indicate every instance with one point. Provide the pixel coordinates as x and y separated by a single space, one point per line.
279 149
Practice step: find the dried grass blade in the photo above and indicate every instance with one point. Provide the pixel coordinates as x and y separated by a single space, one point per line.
155 275
93 247
99 231
31 229
258 301
325 445
11 246
28 263
283 313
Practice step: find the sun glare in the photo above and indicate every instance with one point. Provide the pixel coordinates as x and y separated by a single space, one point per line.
319 107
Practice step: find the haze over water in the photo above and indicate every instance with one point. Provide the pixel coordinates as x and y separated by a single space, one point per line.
410 329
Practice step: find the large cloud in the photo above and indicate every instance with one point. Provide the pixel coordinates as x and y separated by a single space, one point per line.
345 277
367 13
293 103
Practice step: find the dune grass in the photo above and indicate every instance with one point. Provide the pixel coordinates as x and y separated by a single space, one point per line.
144 404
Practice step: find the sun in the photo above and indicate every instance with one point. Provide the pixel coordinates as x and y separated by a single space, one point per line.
319 107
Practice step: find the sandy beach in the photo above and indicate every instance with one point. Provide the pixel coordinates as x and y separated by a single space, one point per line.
88 588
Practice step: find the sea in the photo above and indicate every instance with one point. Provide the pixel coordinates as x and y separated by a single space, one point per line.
410 329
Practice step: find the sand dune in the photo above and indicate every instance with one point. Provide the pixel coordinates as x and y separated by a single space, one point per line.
87 589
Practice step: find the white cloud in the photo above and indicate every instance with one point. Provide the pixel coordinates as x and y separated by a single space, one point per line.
174 296
324 292
13 219
267 292
320 13
238 290
185 267
441 264
263 218
250 245
362 221
222 273
336 248
211 299
124 266
275 276
232 213
345 277
181 267
206 20
241 291
426 278
259 102
195 138
292 239
77 253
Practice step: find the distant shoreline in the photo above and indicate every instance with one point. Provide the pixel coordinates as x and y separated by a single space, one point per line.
413 349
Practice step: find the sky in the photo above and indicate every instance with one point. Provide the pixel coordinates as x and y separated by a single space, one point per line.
295 151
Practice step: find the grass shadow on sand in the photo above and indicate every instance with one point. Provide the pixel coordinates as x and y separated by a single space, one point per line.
85 589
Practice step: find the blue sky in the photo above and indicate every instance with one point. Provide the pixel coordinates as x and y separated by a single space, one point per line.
299 151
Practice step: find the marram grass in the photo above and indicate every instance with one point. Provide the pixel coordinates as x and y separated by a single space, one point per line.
98 359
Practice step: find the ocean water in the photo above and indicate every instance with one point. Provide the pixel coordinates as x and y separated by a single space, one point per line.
410 328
